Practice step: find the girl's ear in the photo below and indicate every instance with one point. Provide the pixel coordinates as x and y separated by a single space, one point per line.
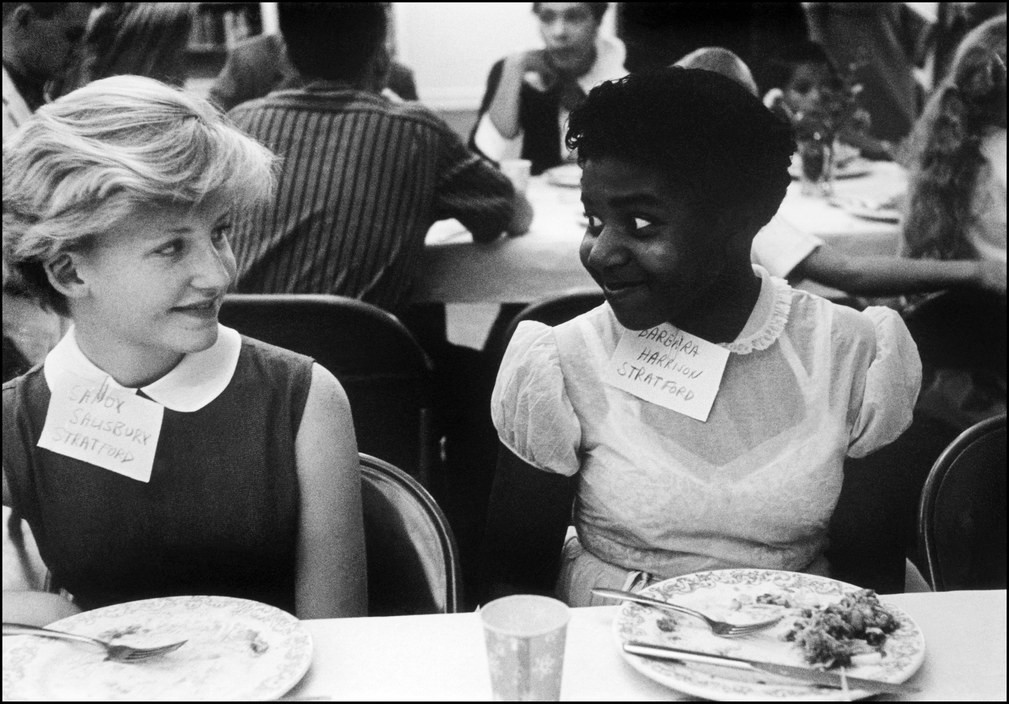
62 273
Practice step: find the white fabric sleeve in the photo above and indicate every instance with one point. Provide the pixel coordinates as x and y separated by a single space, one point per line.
779 247
530 407
491 143
892 383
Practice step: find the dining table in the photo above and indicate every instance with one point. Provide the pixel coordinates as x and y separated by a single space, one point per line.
443 657
544 261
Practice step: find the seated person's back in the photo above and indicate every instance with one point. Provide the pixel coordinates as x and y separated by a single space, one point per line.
362 178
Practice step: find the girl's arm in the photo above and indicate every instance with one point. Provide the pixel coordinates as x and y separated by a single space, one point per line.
529 514
331 567
34 608
888 276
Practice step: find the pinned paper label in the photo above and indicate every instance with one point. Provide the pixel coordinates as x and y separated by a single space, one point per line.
669 367
103 424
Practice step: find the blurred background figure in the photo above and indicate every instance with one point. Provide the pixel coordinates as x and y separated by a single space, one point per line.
530 93
957 209
953 22
799 82
881 44
139 38
40 41
260 64
659 33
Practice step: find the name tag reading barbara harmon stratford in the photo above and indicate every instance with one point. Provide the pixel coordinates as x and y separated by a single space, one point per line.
104 425
669 367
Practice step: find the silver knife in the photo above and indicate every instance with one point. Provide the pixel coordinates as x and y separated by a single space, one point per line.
808 674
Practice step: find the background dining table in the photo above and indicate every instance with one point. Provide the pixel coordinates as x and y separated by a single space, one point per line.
442 657
545 261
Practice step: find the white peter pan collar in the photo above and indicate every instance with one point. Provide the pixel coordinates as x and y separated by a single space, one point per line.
194 382
767 319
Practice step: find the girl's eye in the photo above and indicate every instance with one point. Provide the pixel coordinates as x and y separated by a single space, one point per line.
170 249
221 232
641 223
595 225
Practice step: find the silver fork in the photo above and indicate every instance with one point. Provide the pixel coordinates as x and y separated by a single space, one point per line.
720 628
118 653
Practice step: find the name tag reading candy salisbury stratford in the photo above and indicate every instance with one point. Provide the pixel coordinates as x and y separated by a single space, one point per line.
103 425
669 367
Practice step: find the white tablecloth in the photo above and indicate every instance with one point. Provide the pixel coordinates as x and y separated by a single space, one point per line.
545 260
443 658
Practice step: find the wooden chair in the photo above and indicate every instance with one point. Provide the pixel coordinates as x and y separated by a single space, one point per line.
962 513
413 564
386 374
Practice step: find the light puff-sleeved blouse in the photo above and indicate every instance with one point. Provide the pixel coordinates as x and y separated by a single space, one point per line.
807 383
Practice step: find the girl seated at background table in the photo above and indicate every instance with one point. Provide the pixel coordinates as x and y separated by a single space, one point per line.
800 80
698 419
232 468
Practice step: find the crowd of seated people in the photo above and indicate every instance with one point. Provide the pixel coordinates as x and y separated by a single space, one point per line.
132 206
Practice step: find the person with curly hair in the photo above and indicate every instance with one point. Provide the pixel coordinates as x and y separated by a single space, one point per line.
597 418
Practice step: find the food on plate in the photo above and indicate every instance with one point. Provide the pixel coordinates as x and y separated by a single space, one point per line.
775 600
830 636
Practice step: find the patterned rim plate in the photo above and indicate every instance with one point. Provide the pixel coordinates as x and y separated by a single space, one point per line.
236 649
850 169
731 595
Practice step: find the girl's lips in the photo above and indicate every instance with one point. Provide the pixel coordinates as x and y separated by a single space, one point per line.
207 309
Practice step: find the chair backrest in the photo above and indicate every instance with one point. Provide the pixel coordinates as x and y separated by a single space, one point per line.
552 310
962 512
413 564
382 367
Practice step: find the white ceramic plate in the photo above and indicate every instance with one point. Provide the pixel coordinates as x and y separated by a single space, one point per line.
567 175
849 169
236 649
866 210
731 595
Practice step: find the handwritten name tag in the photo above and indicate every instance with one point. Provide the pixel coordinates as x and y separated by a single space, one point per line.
103 425
669 367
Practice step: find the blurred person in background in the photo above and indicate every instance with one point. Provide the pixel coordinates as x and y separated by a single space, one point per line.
137 38
956 209
883 42
260 64
530 93
40 42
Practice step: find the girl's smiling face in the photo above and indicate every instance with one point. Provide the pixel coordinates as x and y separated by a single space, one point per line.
655 257
148 291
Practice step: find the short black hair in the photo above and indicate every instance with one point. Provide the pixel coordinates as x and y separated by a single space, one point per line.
332 40
598 9
698 128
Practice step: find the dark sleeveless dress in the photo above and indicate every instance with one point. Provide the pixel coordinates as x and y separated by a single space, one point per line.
219 515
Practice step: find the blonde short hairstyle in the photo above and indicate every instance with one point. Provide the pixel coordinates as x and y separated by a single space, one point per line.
83 163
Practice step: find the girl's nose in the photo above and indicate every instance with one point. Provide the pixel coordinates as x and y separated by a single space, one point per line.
605 250
215 268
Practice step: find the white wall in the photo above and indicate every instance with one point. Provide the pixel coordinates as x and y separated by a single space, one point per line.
451 46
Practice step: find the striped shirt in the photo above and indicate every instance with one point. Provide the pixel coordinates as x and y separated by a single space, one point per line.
362 181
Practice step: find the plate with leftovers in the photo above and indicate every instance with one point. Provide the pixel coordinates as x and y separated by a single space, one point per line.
883 211
567 175
826 624
235 649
